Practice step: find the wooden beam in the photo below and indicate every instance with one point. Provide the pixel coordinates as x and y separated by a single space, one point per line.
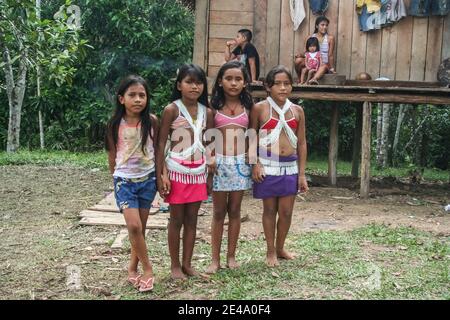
273 33
364 96
333 146
365 152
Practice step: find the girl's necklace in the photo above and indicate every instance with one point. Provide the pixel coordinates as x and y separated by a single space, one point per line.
232 110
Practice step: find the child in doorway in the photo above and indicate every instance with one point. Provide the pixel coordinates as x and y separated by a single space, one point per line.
232 103
312 62
245 52
279 173
130 142
184 183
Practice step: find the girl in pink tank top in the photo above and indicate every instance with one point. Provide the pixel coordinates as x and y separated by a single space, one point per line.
231 102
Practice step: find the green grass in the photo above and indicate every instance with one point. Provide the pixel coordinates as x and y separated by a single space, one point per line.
320 166
99 160
56 158
373 262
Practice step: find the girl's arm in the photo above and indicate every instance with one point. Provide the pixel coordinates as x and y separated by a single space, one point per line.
164 130
302 151
331 53
209 145
306 61
258 170
252 63
112 152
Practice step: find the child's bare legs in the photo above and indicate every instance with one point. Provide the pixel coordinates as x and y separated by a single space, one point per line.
234 226
299 63
220 200
285 208
302 77
322 70
134 260
137 240
269 223
310 75
173 235
189 233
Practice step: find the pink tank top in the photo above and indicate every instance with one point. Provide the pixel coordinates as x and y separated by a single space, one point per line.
222 120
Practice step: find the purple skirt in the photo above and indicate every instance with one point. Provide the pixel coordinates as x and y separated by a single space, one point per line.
276 186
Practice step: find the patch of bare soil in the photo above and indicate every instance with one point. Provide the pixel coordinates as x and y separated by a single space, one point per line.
47 255
392 202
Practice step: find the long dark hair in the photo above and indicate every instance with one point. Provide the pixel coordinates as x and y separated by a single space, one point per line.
112 129
195 72
270 78
312 41
318 21
218 94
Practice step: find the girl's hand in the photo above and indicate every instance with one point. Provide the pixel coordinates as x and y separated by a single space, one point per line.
212 167
258 173
164 186
302 184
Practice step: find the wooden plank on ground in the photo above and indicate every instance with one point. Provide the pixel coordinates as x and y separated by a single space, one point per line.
118 220
118 242
104 214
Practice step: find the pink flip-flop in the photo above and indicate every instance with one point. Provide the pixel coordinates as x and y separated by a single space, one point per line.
134 281
146 285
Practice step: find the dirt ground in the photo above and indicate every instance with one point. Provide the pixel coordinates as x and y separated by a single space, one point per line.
40 236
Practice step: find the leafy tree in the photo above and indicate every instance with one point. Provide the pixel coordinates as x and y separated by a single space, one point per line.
27 42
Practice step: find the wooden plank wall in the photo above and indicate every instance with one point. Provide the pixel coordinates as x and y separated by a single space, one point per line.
409 50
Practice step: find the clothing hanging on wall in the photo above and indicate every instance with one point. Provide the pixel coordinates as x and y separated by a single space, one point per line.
390 11
318 7
297 12
425 8
371 5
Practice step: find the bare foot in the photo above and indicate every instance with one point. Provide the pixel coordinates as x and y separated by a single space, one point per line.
191 272
272 261
283 254
213 268
177 274
232 264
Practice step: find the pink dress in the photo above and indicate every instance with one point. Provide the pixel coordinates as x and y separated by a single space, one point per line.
313 60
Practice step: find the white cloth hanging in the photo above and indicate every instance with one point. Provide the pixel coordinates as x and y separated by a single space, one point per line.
297 12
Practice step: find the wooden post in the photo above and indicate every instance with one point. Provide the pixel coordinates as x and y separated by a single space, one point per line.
365 152
357 141
333 147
